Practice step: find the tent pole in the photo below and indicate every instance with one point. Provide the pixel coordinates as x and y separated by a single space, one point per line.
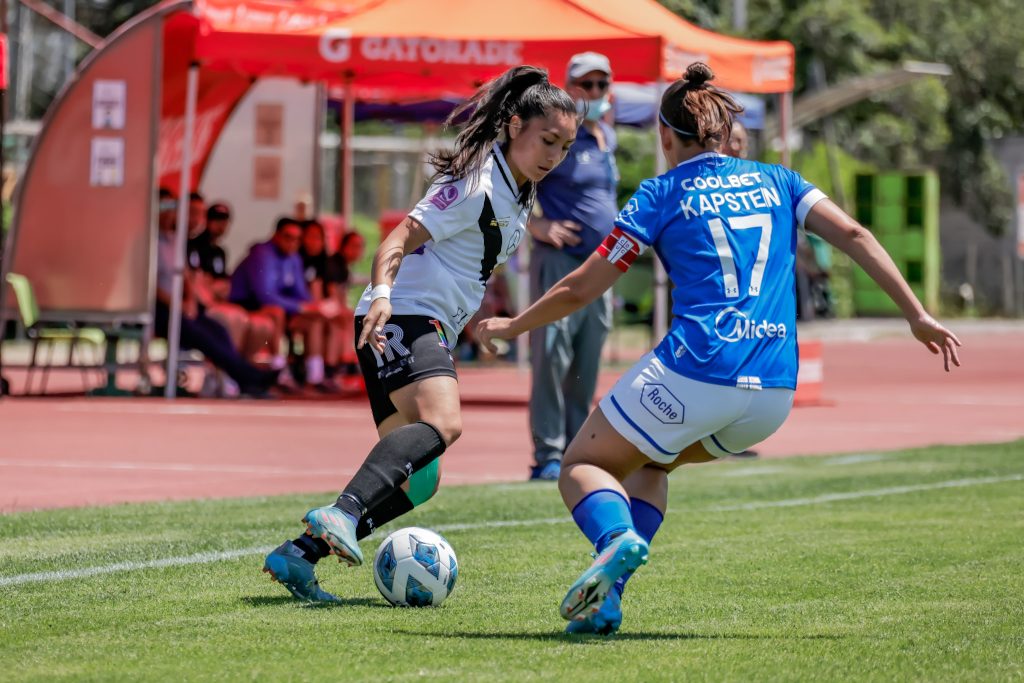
318 128
5 387
181 234
660 276
785 121
347 158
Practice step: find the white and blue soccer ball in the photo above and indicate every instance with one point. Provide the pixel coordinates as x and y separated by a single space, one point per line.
415 567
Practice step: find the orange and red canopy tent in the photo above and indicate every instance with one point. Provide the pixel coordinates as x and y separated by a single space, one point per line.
404 50
450 46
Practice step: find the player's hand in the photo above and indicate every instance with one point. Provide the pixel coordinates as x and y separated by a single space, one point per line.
373 325
937 338
493 328
556 233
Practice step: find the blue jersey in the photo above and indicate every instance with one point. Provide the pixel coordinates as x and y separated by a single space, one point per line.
726 229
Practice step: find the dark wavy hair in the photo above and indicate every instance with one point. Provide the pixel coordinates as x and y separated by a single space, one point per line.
522 91
697 110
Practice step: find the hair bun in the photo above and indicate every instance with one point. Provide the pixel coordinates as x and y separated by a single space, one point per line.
698 73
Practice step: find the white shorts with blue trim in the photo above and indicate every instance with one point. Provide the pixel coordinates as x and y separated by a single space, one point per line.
661 412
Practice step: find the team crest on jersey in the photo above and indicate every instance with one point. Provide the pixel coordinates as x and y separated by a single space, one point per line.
445 197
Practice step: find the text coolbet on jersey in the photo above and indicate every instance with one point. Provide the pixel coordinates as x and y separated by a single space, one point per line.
725 229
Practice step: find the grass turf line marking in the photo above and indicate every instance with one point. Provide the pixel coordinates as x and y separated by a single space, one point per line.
874 493
205 558
219 556
64 575
194 468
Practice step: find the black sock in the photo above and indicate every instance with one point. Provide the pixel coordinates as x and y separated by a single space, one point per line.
313 549
393 507
388 466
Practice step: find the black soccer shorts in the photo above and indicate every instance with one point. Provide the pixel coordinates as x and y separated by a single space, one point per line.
417 347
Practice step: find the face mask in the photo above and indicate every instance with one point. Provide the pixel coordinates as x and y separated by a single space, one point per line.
594 109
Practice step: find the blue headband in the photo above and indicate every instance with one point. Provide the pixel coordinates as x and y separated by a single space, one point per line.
678 130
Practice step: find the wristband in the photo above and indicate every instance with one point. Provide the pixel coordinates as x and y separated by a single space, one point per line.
380 292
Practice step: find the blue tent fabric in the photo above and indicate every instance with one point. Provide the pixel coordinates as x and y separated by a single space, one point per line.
635 105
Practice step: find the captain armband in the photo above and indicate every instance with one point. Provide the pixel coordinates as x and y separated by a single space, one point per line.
620 249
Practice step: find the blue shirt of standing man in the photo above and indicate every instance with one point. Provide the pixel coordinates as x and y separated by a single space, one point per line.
577 206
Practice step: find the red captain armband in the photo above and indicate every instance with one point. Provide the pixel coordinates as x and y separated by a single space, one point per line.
620 249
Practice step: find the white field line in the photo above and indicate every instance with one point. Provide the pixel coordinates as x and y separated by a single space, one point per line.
258 470
872 493
213 410
853 458
208 557
205 558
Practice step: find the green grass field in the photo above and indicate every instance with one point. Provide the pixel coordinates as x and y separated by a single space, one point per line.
890 567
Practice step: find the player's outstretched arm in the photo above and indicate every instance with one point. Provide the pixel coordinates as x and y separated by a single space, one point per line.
837 228
571 293
409 236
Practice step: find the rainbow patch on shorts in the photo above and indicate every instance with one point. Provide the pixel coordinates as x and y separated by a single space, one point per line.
441 336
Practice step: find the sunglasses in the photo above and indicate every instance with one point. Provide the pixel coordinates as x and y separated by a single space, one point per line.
588 84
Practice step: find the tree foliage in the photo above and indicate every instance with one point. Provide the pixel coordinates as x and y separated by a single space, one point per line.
948 123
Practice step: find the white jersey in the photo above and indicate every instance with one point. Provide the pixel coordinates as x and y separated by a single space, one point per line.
474 228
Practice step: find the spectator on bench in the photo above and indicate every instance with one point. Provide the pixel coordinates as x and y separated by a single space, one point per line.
198 331
326 275
208 264
271 283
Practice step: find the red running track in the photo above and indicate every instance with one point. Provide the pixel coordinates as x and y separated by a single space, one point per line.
879 395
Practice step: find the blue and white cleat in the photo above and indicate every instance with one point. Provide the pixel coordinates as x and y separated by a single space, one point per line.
604 622
337 530
624 554
287 566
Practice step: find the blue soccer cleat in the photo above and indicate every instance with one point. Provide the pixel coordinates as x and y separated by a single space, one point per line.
604 622
287 566
624 554
550 470
337 530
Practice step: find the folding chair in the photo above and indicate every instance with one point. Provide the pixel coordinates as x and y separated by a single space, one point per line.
49 334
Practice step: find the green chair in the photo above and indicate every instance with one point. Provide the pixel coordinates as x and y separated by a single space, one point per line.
49 334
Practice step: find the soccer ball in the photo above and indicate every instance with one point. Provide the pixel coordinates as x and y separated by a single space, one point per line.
415 567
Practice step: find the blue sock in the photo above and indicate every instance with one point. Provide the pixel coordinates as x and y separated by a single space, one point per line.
646 520
601 516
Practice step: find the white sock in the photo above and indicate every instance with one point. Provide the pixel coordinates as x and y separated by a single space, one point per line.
314 369
278 362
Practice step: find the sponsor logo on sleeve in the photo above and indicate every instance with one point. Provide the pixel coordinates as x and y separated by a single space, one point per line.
631 207
445 196
513 242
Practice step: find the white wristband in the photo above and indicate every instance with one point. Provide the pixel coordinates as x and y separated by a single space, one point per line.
380 292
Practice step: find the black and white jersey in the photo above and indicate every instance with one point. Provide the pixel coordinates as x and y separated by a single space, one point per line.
474 226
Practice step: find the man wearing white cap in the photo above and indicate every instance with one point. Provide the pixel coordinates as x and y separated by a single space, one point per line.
575 209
